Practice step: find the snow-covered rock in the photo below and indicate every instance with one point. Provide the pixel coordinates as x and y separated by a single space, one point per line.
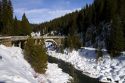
106 69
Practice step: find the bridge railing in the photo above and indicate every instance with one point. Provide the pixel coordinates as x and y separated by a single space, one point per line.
53 37
5 37
16 38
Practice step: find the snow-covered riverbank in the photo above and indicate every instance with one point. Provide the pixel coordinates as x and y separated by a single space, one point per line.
15 69
55 75
106 69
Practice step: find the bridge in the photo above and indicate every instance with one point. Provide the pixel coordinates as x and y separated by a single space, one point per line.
21 40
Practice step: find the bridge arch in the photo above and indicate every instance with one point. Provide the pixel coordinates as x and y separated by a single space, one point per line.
51 46
50 40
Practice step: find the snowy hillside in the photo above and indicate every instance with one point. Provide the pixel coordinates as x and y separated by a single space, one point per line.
106 69
15 69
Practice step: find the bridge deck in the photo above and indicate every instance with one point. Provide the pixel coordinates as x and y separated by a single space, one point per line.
4 38
17 38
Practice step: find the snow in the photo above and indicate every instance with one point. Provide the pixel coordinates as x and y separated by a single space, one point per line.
55 74
15 69
33 34
106 69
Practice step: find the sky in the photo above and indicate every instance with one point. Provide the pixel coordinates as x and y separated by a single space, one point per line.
38 11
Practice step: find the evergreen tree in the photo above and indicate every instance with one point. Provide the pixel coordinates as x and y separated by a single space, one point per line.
7 17
0 8
80 22
4 15
10 11
121 9
16 27
36 55
26 28
4 11
72 42
0 16
116 39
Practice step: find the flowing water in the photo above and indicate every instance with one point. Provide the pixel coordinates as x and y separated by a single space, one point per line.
77 75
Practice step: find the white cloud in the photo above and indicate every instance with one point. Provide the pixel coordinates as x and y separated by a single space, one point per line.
42 15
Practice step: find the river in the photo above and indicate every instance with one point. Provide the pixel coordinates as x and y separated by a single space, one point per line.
77 75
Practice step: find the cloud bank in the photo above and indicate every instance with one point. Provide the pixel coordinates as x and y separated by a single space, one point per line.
39 11
42 15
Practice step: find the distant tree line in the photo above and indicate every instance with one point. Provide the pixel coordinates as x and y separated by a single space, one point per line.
77 25
10 25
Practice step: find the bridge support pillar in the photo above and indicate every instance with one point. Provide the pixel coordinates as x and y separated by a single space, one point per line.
6 41
35 42
13 44
20 44
39 41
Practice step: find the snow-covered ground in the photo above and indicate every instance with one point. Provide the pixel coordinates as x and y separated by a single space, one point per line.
55 75
15 69
106 69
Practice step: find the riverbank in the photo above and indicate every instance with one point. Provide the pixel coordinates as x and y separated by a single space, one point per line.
77 75
15 69
54 74
105 69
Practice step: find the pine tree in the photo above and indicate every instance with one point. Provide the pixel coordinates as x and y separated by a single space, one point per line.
0 10
10 11
16 27
116 39
26 28
7 17
72 42
10 18
0 16
36 55
121 9
5 11
80 21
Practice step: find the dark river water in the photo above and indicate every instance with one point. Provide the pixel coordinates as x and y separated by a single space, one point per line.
77 75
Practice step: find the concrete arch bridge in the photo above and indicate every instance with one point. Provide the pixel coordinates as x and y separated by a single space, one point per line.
21 40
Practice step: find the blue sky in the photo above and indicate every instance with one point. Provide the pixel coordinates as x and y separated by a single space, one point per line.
39 11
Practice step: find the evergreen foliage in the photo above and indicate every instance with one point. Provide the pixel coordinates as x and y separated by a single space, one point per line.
10 25
0 16
6 17
26 28
17 27
36 55
116 39
72 42
77 23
